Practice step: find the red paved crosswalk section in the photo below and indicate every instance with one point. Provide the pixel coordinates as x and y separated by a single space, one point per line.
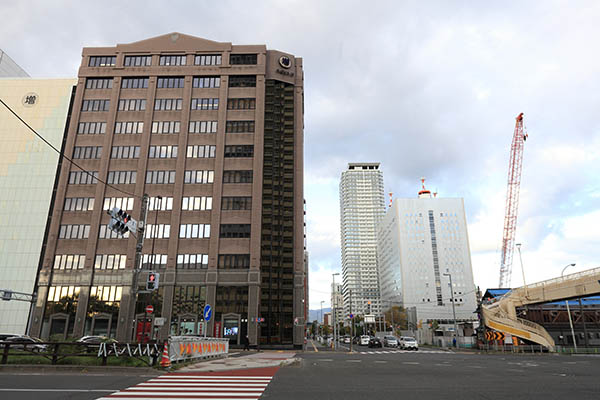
239 384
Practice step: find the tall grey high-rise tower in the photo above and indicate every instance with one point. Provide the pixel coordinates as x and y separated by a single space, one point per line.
362 206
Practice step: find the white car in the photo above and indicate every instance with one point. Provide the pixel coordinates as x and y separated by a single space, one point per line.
408 343
364 340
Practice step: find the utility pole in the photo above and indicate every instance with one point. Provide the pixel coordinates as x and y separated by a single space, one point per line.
333 306
453 308
322 321
351 322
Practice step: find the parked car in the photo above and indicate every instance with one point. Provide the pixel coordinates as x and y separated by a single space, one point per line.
364 340
408 343
356 340
95 340
390 341
347 339
26 343
375 342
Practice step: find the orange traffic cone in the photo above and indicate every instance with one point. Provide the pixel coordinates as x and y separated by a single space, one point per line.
165 361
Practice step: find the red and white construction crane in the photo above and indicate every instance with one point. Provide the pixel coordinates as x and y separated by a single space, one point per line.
512 202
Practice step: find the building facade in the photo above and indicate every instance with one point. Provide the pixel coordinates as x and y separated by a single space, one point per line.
362 207
337 302
28 171
420 241
213 134
9 68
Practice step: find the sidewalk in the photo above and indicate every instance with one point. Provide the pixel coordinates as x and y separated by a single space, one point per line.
241 360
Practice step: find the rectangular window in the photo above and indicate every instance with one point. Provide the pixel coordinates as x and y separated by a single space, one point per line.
194 231
162 152
243 59
239 127
239 151
79 204
207 59
206 82
91 128
132 104
203 127
192 261
201 151
134 83
108 294
172 60
83 177
234 231
129 127
234 261
166 127
99 83
87 152
160 177
170 82
241 104
121 177
124 203
242 81
237 176
236 203
199 177
164 204
138 61
74 232
95 105
102 61
167 104
69 261
199 203
125 152
105 233
205 104
159 231
110 261
150 261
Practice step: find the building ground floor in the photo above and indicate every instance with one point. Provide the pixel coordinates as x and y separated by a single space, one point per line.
270 315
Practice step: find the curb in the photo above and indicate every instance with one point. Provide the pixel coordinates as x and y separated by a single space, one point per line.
82 369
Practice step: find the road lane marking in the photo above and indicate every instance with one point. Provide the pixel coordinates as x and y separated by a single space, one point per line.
381 362
353 360
325 359
313 345
410 363
57 390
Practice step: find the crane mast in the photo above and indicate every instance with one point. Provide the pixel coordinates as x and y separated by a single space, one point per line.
512 202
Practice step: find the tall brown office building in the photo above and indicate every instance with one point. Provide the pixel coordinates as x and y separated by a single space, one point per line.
216 131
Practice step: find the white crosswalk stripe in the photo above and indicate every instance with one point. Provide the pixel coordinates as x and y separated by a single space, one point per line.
407 351
205 386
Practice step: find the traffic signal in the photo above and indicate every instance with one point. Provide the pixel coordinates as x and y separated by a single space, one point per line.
152 281
369 307
119 220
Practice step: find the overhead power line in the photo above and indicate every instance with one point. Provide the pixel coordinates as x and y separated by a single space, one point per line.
62 155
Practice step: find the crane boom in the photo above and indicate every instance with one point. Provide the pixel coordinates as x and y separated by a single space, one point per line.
512 202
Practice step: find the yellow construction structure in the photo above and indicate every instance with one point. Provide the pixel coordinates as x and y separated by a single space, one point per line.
501 315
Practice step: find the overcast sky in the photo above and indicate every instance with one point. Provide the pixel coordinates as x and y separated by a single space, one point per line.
425 88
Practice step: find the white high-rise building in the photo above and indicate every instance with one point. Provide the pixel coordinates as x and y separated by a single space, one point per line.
362 207
420 241
337 302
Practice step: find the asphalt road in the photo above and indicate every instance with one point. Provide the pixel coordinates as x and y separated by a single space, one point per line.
422 375
38 386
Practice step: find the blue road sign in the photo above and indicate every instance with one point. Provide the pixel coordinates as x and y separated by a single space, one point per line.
351 316
207 312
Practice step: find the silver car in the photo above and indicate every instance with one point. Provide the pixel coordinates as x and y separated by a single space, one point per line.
408 343
390 341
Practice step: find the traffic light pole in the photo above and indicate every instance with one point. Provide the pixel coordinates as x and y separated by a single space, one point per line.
138 255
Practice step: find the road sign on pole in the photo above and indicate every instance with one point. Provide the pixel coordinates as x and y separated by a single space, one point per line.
207 312
149 309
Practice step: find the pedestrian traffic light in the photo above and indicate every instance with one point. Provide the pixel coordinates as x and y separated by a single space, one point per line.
152 281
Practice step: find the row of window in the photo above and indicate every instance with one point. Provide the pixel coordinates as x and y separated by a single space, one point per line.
162 152
173 60
169 104
160 177
122 177
205 104
87 152
95 105
118 261
91 128
239 127
158 231
235 231
201 151
99 83
132 104
135 127
134 83
129 127
237 176
83 177
125 152
163 127
189 203
200 176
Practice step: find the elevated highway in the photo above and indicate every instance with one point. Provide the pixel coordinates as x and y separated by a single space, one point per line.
501 315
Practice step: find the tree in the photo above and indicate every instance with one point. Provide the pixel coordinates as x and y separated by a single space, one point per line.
397 314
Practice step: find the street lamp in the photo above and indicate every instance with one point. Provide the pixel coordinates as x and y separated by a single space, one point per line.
333 307
453 309
322 320
569 311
